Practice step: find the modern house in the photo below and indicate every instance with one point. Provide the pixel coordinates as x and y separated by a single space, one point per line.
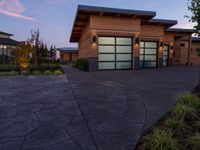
6 46
68 54
112 38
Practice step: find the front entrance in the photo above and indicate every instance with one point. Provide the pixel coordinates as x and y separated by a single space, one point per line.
165 56
115 53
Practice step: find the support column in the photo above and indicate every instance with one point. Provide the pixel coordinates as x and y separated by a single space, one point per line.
189 50
136 53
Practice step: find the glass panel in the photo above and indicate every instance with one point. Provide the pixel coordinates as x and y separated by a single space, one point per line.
106 49
151 44
141 64
150 51
165 48
106 40
164 63
149 64
141 57
124 41
141 51
165 57
106 57
165 53
125 57
150 57
124 49
123 65
141 44
106 65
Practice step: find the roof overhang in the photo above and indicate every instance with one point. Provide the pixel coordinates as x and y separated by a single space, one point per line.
68 49
8 41
179 30
84 12
4 33
164 22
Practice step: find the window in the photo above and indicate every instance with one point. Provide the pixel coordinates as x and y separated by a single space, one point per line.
114 53
165 55
148 54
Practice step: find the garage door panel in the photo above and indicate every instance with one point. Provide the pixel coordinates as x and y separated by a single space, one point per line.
123 57
115 56
106 49
106 65
106 57
123 65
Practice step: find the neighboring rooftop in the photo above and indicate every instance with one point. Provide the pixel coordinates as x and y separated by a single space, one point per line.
68 49
8 41
194 39
180 30
4 33
83 13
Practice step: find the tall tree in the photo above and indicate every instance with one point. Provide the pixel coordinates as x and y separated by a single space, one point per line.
194 8
36 42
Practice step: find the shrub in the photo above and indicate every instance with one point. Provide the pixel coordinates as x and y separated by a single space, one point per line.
175 125
13 73
194 142
9 67
181 112
81 64
57 72
43 67
189 99
36 72
161 140
47 72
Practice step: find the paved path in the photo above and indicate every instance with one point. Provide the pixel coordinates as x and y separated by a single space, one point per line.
105 110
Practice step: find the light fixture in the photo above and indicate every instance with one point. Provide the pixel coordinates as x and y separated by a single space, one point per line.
161 44
137 40
94 39
171 47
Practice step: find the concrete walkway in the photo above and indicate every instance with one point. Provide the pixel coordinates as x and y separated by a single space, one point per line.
105 110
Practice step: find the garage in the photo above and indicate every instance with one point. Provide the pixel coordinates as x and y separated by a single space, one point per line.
148 54
115 53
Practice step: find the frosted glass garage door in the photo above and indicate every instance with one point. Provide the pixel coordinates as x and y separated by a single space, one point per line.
114 53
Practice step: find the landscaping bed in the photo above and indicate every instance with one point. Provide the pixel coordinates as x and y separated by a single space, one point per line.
179 129
40 69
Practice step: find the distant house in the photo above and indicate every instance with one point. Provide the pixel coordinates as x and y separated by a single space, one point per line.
6 46
68 54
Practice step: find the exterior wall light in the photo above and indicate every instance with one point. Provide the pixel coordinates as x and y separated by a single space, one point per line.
94 39
171 47
161 44
137 40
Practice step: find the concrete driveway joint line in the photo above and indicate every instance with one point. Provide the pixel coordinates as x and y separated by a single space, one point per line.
82 113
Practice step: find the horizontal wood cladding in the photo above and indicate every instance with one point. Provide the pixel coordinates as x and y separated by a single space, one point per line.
115 23
195 59
169 37
68 56
149 31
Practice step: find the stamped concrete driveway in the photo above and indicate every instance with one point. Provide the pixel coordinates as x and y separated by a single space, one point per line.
105 110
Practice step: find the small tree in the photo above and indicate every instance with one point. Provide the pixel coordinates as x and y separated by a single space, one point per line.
194 8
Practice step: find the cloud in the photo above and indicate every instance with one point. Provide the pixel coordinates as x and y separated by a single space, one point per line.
14 9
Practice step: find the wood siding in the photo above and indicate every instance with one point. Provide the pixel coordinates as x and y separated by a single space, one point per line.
85 42
106 23
195 59
68 56
152 32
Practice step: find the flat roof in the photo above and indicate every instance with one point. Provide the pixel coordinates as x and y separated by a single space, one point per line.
84 12
180 30
68 49
166 22
4 33
8 41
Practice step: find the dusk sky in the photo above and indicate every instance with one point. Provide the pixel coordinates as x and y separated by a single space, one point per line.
55 18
